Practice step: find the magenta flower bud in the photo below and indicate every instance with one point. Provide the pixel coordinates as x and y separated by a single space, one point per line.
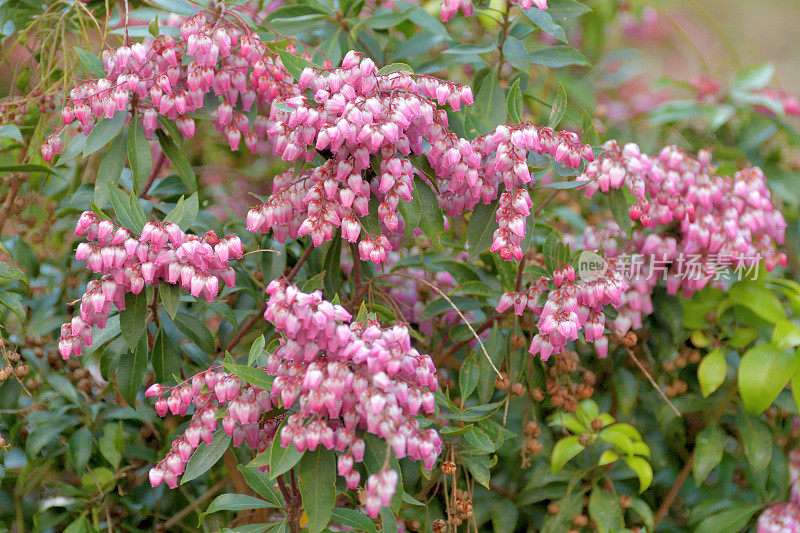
161 407
153 390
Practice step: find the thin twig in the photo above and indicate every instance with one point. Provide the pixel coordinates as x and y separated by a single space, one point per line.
153 173
652 381
673 492
192 506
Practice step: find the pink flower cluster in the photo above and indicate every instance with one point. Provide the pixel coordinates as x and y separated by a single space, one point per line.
450 7
345 377
369 123
695 222
171 77
788 101
209 392
781 517
128 262
573 305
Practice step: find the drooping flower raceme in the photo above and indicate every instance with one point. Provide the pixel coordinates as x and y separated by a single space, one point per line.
694 222
346 377
573 305
369 125
339 377
127 263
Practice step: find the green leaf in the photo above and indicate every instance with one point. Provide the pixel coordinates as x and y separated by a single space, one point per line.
590 136
712 371
317 471
206 456
80 448
295 65
139 157
559 108
564 450
179 160
753 78
92 63
122 208
763 372
756 441
9 271
619 209
131 370
432 220
28 167
479 440
103 133
254 376
545 22
258 482
256 349
110 169
479 466
234 502
641 508
10 131
490 103
557 57
643 470
132 318
785 335
514 102
759 299
468 377
354 519
166 362
730 520
196 330
607 457
153 28
505 516
170 296
516 54
112 443
281 459
396 67
707 452
605 510
481 226
387 20
470 49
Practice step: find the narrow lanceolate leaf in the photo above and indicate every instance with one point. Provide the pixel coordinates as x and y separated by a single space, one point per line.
9 271
103 133
139 157
110 169
132 318
482 224
170 296
92 63
431 221
179 160
261 484
254 376
206 456
131 371
280 459
354 519
559 107
165 359
514 102
234 502
317 471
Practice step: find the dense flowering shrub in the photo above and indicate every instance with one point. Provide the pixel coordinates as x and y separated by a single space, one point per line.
459 306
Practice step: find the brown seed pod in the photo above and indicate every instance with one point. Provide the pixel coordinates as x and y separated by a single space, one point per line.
553 508
597 424
625 501
517 341
585 439
580 520
502 382
518 389
589 378
448 468
439 526
537 395
532 429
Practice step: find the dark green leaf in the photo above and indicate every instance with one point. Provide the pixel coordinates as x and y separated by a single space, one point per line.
206 456
258 482
254 376
605 510
166 362
514 102
557 57
354 519
234 502
132 318
179 160
103 133
131 370
545 22
80 447
139 157
110 169
170 296
92 63
317 471
619 209
193 328
516 54
559 107
432 219
708 451
295 65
